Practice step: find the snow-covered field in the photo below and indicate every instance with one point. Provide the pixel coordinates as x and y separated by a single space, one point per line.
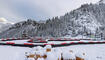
12 53
93 52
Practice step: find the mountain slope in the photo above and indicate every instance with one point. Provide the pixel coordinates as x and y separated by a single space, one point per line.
4 24
102 1
87 20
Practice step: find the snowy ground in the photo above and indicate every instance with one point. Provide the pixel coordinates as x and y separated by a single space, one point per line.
93 52
12 53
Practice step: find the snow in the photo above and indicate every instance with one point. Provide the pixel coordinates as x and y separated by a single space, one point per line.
51 56
18 41
92 52
31 59
4 26
12 53
68 55
40 59
88 21
58 54
48 46
102 1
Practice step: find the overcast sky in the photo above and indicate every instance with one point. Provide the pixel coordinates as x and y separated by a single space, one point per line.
18 10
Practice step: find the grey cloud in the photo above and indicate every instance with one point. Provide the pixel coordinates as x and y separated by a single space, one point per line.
37 9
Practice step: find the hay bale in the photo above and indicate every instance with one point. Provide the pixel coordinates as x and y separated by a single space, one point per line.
31 56
78 58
